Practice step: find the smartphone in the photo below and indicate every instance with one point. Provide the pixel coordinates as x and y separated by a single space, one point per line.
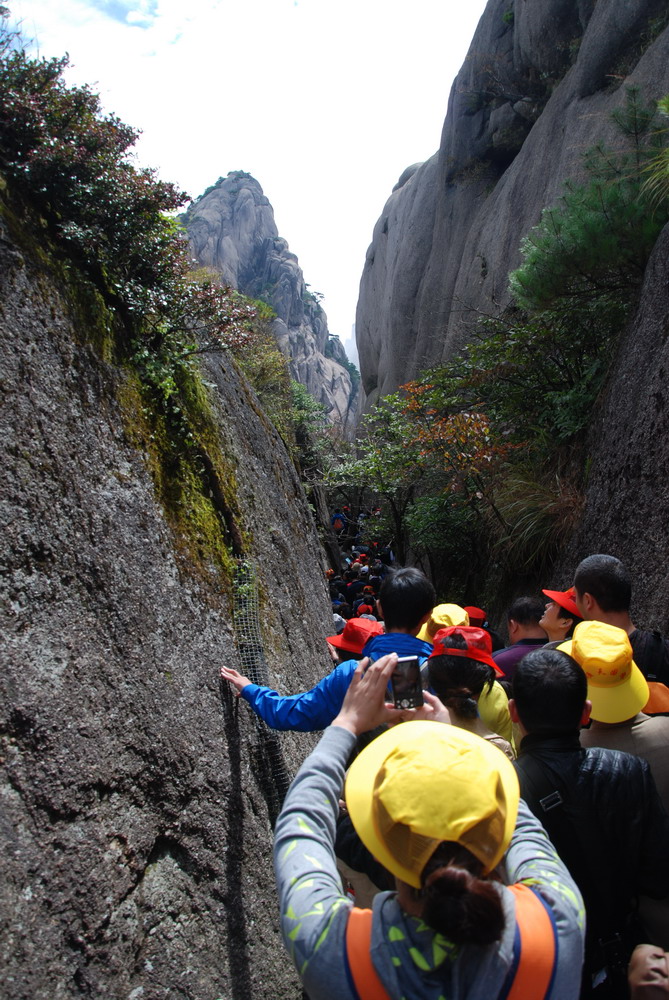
406 684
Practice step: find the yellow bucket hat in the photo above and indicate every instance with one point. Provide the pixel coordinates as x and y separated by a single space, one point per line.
443 616
421 783
616 686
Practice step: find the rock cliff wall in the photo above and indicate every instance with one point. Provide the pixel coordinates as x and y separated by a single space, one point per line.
232 230
136 800
626 510
535 91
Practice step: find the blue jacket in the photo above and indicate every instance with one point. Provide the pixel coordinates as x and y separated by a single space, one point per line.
315 709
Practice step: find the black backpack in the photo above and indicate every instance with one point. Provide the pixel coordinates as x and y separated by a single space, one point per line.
651 655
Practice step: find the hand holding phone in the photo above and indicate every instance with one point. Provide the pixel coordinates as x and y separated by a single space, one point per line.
405 683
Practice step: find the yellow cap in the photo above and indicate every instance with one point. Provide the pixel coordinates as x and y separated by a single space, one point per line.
443 616
421 783
616 686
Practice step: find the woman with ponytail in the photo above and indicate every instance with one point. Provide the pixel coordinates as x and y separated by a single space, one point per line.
483 908
457 901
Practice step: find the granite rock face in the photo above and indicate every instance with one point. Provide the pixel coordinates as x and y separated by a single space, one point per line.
137 798
536 90
232 230
626 510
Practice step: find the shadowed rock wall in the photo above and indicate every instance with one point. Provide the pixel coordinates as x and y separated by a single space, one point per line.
626 511
536 90
136 803
232 230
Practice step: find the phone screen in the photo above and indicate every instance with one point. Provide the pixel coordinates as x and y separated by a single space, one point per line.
406 683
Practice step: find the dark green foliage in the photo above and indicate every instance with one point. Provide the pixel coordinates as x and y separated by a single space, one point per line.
309 421
354 373
450 536
267 370
71 162
535 376
595 243
656 171
57 147
508 16
582 270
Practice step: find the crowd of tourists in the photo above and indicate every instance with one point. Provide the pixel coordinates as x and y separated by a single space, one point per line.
508 837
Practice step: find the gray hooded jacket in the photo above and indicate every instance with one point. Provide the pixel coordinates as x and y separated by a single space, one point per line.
411 959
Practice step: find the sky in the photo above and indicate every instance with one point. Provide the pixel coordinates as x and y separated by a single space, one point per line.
324 102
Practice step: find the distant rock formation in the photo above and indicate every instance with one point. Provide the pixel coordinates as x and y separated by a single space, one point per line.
536 90
232 230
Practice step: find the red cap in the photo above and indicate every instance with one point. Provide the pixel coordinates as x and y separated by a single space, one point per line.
364 609
565 598
477 616
479 645
357 633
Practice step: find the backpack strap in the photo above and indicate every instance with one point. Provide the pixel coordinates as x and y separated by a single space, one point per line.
534 949
362 974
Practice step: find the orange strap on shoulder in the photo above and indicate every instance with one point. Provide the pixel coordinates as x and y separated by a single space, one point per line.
367 984
658 698
535 951
538 947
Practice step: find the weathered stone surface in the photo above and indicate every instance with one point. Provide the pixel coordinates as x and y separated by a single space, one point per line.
536 90
136 804
627 501
395 265
232 229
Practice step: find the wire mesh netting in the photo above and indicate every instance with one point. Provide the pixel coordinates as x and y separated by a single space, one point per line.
246 620
270 768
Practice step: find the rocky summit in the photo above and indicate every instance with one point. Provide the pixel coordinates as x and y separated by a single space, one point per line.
232 230
536 90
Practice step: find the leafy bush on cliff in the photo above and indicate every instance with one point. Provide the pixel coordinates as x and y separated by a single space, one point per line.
71 163
596 241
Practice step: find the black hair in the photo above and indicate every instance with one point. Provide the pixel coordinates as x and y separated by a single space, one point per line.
606 579
458 903
346 654
406 596
575 620
550 689
456 679
526 610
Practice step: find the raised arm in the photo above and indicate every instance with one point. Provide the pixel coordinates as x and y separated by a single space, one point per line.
313 908
305 712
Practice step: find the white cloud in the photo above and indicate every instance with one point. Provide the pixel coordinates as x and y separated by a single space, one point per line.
325 102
